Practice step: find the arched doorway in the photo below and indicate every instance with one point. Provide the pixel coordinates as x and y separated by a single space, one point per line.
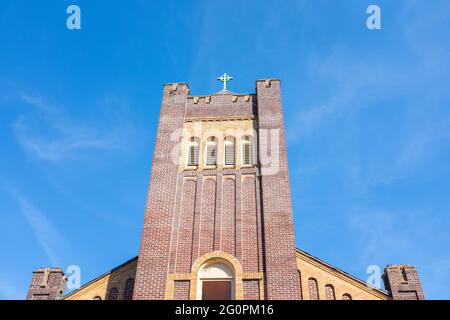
216 281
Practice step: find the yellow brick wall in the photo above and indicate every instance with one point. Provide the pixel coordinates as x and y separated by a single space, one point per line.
309 267
220 129
100 286
325 274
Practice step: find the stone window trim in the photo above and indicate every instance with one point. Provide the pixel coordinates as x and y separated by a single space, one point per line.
212 257
211 152
247 151
229 152
193 152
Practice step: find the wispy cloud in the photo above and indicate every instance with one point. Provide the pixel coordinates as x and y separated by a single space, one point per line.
379 231
424 143
32 100
350 79
49 238
398 237
65 143
50 135
409 90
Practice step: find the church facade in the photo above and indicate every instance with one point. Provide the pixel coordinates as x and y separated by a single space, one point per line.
218 221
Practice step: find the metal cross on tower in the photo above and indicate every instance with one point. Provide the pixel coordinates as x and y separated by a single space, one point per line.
224 78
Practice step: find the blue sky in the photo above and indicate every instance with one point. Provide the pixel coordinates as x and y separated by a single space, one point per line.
367 122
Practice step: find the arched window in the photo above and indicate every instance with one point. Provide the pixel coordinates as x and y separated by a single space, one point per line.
329 292
193 149
346 296
211 151
129 286
97 298
247 151
230 158
216 282
113 294
313 289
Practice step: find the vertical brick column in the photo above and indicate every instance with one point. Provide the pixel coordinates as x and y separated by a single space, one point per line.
197 221
249 223
176 225
186 227
218 213
403 283
206 237
239 254
259 227
228 221
152 268
281 270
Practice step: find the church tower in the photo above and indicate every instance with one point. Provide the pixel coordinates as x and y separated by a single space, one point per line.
218 219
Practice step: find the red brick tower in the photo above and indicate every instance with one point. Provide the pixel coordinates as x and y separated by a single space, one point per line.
403 283
47 284
218 220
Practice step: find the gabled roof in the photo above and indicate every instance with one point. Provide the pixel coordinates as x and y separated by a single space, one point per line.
100 277
360 283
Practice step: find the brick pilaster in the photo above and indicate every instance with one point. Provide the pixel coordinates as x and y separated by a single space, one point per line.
281 272
152 268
